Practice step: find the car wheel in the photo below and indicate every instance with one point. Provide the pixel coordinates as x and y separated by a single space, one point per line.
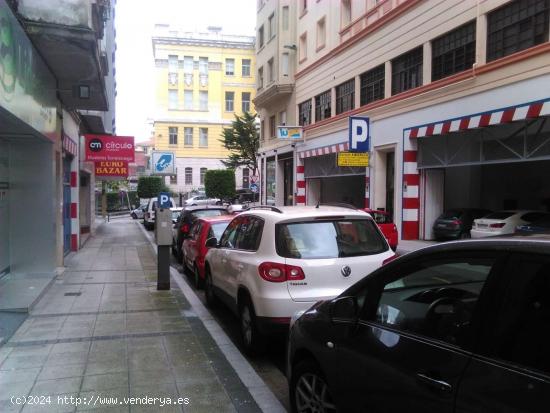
253 341
464 235
309 391
211 299
197 278
133 215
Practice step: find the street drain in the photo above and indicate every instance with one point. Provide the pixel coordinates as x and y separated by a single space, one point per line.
72 294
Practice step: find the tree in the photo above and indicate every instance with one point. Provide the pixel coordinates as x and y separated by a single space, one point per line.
242 140
150 186
219 183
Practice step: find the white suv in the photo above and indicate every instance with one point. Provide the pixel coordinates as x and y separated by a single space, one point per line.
149 213
272 262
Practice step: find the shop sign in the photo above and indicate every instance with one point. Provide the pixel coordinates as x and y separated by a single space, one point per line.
164 163
111 169
353 159
292 133
109 148
359 134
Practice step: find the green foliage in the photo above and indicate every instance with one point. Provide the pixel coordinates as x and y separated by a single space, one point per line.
150 186
219 183
242 140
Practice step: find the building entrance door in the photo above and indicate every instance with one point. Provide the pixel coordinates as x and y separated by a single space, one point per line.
288 168
66 206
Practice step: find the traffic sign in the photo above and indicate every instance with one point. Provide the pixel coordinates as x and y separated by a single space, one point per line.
254 178
163 200
164 163
359 131
254 188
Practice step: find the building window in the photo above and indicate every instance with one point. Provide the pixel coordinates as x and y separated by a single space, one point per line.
203 99
282 118
321 33
172 63
203 65
260 77
262 130
272 127
517 26
372 85
346 12
188 64
188 99
454 51
303 47
284 64
271 70
304 110
229 67
188 136
245 102
261 37
245 67
188 176
246 178
173 179
322 106
272 29
203 137
172 135
172 99
407 71
345 96
285 18
203 172
229 101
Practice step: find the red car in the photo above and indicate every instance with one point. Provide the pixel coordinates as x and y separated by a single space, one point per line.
386 225
194 248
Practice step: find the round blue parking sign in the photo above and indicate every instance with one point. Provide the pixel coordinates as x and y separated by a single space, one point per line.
254 188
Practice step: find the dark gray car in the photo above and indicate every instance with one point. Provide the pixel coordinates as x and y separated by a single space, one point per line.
456 223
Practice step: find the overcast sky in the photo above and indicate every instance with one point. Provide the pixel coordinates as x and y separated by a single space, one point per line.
134 58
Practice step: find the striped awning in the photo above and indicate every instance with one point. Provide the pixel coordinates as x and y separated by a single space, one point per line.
69 145
324 150
495 117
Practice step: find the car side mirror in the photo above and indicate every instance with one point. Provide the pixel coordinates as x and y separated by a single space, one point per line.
344 308
212 242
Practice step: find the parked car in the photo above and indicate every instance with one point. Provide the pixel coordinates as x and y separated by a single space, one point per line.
456 223
149 213
385 222
503 222
183 224
431 332
138 212
245 195
194 248
271 262
176 211
540 226
200 200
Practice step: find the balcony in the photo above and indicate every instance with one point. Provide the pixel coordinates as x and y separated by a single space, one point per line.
271 92
67 34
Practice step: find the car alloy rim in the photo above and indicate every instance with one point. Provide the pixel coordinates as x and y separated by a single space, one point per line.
312 395
246 325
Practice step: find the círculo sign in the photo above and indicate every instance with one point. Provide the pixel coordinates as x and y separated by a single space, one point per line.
109 148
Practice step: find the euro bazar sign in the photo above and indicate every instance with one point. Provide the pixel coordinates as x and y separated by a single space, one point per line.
111 168
109 148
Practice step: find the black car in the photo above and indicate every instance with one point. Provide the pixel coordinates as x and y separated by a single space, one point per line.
457 327
186 219
540 226
456 223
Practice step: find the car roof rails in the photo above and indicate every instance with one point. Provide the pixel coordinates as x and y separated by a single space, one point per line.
338 204
270 207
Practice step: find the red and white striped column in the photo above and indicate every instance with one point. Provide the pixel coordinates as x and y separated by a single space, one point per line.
75 223
367 187
411 188
300 183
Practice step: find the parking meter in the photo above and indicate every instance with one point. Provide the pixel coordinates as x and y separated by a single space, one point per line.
163 238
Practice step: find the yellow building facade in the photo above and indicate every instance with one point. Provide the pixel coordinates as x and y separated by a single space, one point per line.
201 81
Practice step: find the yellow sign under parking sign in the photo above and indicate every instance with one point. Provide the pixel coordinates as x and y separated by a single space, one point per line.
353 159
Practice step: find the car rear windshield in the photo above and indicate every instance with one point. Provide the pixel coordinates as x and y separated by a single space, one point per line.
217 229
499 215
329 239
451 214
381 218
208 213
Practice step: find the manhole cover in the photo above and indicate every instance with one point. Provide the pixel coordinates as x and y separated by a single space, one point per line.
73 294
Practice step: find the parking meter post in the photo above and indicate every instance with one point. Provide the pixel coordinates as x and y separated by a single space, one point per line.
163 237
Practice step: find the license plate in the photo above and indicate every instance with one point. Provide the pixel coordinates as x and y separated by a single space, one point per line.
441 226
482 225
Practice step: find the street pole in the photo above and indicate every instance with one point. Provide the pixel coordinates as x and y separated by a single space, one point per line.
103 199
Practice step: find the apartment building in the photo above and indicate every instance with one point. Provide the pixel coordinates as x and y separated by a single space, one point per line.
456 95
202 80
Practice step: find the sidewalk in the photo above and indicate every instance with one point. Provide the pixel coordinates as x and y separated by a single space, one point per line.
102 330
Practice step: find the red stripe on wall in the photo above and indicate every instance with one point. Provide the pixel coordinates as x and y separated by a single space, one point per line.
300 169
414 133
409 156
484 120
430 130
300 199
411 179
300 184
508 115
446 127
410 229
346 146
74 242
367 203
534 110
464 122
367 179
74 178
74 210
411 203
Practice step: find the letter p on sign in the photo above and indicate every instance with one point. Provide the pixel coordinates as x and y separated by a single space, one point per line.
164 200
359 134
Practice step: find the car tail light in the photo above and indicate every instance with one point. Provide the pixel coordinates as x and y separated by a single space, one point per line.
393 257
185 228
457 222
277 272
499 225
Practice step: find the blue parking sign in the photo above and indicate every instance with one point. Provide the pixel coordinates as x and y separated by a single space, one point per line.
164 200
359 134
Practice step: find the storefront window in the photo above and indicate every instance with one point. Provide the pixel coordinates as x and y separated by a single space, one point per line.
270 181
